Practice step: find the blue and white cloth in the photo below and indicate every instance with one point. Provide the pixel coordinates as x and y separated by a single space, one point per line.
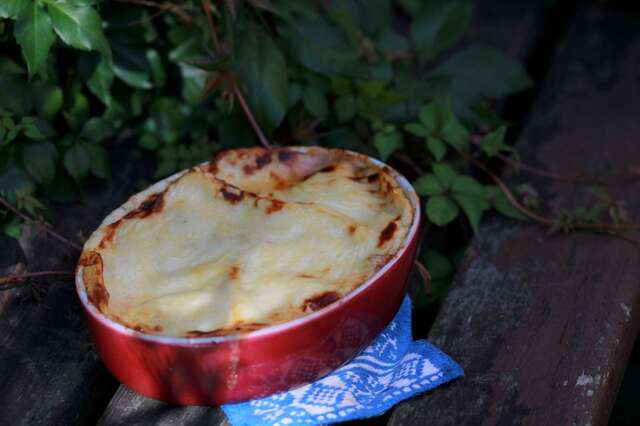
394 367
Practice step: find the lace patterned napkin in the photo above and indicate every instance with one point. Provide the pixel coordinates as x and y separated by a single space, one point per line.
394 367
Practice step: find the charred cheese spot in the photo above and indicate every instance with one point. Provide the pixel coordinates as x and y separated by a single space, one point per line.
285 155
216 250
92 275
153 204
233 272
263 160
387 233
321 300
275 206
306 276
110 232
232 195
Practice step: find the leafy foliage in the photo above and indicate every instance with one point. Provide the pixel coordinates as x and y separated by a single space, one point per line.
77 75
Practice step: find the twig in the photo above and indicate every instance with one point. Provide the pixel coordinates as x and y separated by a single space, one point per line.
424 274
19 277
48 228
475 140
256 128
177 10
206 5
409 162
603 227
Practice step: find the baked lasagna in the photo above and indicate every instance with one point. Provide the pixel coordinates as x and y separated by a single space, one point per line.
252 238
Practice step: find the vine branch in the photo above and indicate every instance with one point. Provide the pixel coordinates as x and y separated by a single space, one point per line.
579 179
206 5
602 227
47 227
19 277
424 275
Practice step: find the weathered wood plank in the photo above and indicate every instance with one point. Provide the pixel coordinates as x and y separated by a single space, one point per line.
543 325
49 372
128 408
493 19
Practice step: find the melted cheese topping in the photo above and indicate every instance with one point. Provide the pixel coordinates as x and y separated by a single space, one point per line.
252 239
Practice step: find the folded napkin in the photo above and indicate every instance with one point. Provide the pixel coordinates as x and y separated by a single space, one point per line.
394 367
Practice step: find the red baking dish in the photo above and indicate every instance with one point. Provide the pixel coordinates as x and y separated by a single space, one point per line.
225 369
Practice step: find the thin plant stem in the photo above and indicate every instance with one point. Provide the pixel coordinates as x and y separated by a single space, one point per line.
603 227
256 128
10 279
578 179
424 275
48 228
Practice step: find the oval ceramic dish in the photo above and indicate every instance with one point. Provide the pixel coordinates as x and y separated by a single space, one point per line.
225 369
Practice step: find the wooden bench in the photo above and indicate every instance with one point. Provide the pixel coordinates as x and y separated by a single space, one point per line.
543 325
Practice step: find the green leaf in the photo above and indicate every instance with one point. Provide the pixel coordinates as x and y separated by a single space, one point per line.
193 81
50 100
264 75
437 148
78 25
466 185
15 182
439 120
134 78
479 72
445 174
130 62
17 94
441 210
387 143
433 116
13 229
315 101
341 86
187 41
341 15
493 142
97 129
77 161
101 80
411 6
439 266
34 34
454 133
100 163
79 110
392 43
501 203
428 185
473 207
157 69
439 25
12 8
417 129
39 159
30 129
9 66
322 48
345 107
472 197
149 141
